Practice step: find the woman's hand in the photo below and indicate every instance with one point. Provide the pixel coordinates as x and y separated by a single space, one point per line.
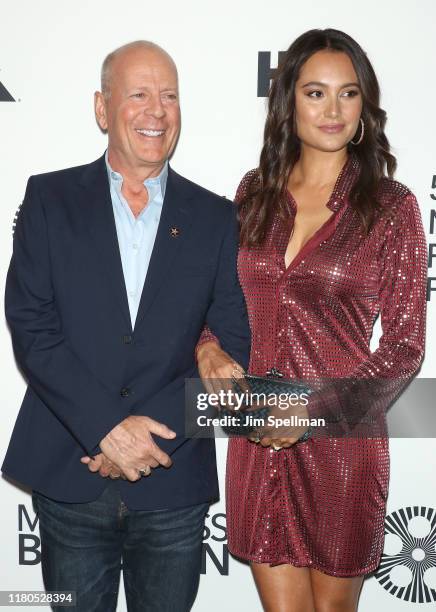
286 429
286 442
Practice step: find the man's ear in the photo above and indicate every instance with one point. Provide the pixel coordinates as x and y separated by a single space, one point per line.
100 110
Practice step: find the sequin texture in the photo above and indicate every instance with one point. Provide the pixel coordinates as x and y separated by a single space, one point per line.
322 504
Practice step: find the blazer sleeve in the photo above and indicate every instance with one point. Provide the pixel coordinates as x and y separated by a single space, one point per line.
227 318
53 371
209 333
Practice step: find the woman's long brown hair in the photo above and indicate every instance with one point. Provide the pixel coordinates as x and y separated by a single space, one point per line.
263 199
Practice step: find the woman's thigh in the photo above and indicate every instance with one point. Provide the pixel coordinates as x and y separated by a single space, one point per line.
283 588
333 594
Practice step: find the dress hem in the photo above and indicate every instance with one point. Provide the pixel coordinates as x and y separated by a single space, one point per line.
337 574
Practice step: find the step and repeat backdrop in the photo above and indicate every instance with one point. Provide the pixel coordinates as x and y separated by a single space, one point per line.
226 52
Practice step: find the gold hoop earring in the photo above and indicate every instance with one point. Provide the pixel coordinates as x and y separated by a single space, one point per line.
362 125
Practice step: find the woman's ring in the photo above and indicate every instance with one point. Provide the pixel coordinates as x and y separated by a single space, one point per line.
237 371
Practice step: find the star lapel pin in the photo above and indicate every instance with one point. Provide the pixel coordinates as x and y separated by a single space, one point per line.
174 232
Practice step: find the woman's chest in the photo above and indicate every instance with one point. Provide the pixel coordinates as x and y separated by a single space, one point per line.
344 263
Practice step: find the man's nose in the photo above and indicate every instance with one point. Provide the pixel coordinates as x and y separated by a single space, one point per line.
155 107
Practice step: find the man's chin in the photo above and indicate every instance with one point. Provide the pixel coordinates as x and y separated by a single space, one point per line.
148 162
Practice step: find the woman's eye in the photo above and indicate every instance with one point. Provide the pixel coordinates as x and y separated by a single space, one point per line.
315 94
352 93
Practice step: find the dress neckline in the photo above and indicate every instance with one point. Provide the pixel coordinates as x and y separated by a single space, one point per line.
336 201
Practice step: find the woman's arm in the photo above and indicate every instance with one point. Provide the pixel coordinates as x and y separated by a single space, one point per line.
376 382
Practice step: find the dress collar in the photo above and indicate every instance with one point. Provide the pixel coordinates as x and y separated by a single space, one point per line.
344 183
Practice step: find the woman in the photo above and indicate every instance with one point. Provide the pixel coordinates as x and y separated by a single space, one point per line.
328 241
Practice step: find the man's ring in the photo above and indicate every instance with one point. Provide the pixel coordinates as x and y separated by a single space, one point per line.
145 471
276 447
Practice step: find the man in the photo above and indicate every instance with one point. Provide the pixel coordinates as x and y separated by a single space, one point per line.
117 266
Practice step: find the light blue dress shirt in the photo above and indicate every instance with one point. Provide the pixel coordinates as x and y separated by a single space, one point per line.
136 236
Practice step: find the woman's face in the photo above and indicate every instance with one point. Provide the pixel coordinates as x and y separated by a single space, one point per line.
328 101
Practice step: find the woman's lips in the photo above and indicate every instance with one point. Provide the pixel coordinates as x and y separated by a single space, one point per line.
332 128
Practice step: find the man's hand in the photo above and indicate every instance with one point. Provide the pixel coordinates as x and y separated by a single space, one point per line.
130 446
103 466
216 367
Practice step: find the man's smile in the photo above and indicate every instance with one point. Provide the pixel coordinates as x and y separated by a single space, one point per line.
150 133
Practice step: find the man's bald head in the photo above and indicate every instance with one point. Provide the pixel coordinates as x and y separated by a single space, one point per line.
139 108
111 59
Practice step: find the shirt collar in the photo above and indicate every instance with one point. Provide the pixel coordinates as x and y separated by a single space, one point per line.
154 185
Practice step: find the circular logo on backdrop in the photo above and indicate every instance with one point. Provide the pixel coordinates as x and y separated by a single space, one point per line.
408 565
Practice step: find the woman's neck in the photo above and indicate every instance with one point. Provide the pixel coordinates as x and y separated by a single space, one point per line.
317 169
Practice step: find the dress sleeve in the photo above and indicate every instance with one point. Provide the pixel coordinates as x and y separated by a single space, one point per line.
377 381
206 336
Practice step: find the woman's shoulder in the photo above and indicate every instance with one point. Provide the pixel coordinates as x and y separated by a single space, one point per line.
399 207
250 175
393 194
248 180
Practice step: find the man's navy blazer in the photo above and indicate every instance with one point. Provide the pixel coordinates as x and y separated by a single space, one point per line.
86 368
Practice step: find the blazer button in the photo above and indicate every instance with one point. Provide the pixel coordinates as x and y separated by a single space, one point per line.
127 339
125 392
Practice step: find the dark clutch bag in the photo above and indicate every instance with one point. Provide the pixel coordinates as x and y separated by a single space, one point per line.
272 386
264 386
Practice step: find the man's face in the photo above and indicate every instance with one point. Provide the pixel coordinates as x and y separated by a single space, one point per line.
141 113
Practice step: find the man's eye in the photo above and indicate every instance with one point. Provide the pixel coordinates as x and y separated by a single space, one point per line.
170 96
138 95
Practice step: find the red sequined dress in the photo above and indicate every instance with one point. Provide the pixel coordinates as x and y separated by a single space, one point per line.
321 503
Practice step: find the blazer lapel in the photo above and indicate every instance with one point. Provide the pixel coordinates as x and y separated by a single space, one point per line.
171 235
97 207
